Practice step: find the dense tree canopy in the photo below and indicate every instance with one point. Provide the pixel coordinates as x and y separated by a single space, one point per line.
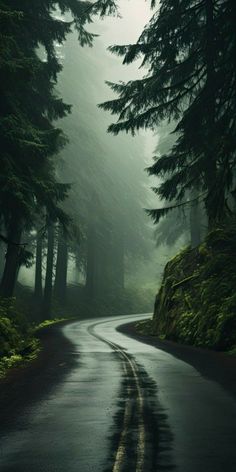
29 108
188 58
188 53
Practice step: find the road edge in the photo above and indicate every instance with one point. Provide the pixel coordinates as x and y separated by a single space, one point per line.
215 366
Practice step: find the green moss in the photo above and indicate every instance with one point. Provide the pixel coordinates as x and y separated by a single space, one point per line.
144 327
47 323
232 351
197 300
17 344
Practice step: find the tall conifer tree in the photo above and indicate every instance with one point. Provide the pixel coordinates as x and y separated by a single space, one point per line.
29 107
188 52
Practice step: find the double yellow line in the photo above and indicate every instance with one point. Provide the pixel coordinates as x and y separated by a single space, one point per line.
122 452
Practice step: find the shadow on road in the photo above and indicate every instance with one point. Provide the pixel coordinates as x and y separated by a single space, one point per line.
158 437
25 387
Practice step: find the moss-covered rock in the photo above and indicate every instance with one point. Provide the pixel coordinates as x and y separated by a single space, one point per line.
196 303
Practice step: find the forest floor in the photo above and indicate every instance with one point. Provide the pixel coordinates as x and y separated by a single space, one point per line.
24 347
217 366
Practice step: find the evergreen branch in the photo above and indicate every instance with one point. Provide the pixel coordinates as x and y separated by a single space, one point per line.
194 8
148 118
158 213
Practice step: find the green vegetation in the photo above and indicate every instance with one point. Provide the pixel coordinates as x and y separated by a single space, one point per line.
47 323
30 194
18 342
187 52
58 208
53 219
144 327
196 303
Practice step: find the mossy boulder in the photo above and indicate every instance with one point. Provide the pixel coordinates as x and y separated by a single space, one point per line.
196 303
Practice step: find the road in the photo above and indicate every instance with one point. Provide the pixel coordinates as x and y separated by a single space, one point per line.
109 403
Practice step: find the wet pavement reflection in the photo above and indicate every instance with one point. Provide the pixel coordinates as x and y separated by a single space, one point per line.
105 402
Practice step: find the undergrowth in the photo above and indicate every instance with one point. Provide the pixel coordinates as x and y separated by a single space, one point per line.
196 303
18 344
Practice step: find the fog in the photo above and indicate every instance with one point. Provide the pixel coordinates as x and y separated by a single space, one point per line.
115 244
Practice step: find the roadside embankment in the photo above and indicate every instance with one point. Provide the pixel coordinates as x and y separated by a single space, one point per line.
19 340
216 366
196 303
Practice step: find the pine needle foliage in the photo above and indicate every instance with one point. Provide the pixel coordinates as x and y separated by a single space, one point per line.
29 111
30 107
188 57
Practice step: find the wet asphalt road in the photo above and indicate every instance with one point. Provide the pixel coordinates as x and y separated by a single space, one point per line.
107 402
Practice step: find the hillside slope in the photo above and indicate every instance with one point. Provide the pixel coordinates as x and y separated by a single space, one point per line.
196 303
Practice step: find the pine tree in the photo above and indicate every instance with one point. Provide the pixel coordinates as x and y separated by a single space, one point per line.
47 298
28 111
188 52
60 284
38 285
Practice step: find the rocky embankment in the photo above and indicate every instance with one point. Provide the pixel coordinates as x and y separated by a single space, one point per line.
196 303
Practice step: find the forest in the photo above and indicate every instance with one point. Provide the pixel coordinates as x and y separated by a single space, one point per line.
95 223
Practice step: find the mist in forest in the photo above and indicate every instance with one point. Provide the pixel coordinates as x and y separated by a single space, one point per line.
113 246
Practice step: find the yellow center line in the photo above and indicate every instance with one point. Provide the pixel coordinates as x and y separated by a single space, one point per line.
141 429
122 449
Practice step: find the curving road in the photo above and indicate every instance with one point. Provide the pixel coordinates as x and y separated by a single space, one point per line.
107 402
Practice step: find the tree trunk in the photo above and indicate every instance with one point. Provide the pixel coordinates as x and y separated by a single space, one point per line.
119 260
210 173
77 264
195 224
105 262
115 261
12 259
49 274
90 269
38 286
61 268
2 258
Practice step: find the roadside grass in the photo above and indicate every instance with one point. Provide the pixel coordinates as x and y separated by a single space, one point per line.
47 323
145 328
19 344
20 359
